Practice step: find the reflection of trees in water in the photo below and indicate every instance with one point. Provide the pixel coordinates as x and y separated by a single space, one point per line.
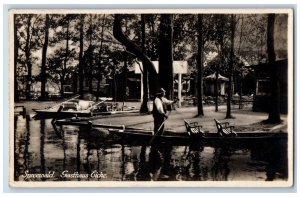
275 154
42 146
21 142
61 132
193 170
158 167
87 165
143 173
159 162
220 169
155 162
123 162
21 147
130 162
26 141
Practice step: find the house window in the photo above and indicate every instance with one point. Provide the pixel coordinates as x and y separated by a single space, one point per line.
262 87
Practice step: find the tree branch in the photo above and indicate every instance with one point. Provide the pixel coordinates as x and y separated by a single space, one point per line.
131 47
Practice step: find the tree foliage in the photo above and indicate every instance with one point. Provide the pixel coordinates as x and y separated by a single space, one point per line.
103 57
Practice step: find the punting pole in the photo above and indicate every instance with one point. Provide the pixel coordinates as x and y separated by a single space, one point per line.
157 131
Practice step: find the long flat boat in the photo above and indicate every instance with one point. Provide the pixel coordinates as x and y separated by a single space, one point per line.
140 136
51 113
76 108
242 139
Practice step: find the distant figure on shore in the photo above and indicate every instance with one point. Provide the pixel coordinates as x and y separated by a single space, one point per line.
160 110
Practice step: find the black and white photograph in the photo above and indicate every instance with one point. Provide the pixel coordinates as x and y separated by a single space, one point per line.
151 98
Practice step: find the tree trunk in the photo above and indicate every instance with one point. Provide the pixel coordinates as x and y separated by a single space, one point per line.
81 77
125 70
216 89
44 59
221 43
200 66
241 74
274 108
114 85
229 94
100 59
130 46
28 61
75 81
90 57
166 54
152 30
144 106
62 80
16 55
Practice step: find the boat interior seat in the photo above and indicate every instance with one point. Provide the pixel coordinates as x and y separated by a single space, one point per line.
193 128
84 105
224 128
69 105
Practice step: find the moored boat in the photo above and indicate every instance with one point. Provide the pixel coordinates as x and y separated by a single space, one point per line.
79 108
140 136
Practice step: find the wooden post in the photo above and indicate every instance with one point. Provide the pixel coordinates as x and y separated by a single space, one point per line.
179 89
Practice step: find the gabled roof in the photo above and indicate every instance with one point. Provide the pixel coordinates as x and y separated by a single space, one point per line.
283 62
213 77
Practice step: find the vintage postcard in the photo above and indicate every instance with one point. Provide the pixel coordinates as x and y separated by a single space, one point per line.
151 98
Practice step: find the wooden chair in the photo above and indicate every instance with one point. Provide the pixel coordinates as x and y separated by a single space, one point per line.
193 128
224 129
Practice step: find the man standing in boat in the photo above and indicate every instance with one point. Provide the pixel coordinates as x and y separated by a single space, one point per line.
160 111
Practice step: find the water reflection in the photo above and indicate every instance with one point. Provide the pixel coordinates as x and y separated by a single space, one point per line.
81 151
220 169
42 146
143 173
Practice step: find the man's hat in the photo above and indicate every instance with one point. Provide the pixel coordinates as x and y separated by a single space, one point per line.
160 91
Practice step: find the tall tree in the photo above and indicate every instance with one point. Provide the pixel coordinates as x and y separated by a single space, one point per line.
100 56
151 40
63 55
125 72
166 54
16 55
144 106
81 74
44 58
274 108
29 34
133 48
200 66
62 80
229 93
221 35
28 57
221 46
90 53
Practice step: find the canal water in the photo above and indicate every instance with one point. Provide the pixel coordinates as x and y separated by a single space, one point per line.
43 153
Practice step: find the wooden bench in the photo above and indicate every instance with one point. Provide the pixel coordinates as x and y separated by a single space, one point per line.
224 129
193 128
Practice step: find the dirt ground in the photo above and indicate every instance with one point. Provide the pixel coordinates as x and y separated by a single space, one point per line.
244 119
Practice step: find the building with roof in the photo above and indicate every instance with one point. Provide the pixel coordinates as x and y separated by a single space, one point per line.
262 89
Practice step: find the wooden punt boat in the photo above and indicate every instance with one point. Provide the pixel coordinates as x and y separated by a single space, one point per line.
140 136
78 108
